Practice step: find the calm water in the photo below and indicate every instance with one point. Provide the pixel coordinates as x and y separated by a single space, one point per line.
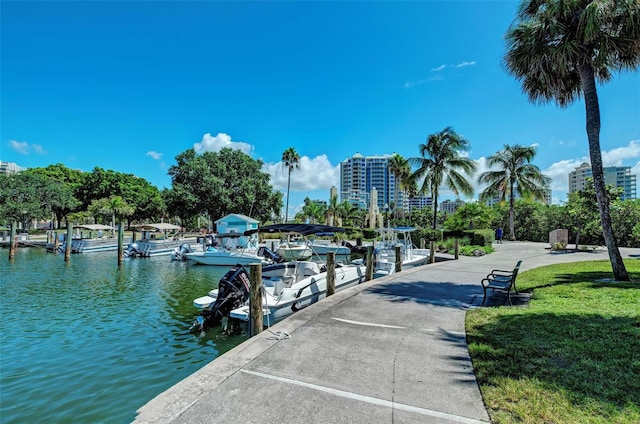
86 342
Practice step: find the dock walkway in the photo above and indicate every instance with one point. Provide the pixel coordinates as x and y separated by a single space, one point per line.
391 350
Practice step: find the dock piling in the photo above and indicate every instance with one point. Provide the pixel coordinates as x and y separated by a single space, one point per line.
255 300
331 273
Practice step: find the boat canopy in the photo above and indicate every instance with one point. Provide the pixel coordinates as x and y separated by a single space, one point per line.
397 230
159 226
94 227
303 229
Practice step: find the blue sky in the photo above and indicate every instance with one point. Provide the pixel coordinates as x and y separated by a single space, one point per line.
129 85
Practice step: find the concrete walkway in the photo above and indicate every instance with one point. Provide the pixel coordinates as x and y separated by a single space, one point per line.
392 350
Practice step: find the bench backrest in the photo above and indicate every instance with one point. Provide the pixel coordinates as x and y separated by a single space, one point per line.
515 271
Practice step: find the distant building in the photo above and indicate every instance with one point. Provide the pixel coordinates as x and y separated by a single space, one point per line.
450 206
617 176
10 168
360 174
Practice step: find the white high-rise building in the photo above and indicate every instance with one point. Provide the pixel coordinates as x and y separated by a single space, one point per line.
617 176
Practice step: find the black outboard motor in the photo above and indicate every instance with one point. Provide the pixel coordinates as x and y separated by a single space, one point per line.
233 292
270 254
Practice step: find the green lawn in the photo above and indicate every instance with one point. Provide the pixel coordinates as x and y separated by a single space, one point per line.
572 355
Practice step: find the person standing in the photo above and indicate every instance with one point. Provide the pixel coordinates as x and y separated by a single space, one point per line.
499 234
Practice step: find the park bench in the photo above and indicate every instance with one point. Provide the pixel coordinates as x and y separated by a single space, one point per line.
501 280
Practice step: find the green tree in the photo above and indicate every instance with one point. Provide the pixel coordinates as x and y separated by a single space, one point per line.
558 49
625 217
63 183
332 207
469 216
216 184
21 198
516 175
312 211
400 169
291 161
441 158
113 206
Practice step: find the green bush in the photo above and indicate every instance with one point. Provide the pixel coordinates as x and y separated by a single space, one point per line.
481 237
470 250
427 235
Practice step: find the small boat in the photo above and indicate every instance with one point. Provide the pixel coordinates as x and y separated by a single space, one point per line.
89 238
385 252
157 239
293 251
322 247
281 300
231 249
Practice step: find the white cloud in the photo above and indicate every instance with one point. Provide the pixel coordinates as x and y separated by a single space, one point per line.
615 156
220 141
439 68
465 63
25 148
155 155
314 174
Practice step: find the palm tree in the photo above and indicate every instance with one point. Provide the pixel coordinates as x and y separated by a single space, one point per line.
441 158
558 49
331 210
398 167
515 175
291 161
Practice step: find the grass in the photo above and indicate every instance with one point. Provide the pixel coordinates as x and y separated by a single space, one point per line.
572 355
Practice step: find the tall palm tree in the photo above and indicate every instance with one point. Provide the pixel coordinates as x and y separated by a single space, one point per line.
397 167
558 49
291 161
441 158
515 175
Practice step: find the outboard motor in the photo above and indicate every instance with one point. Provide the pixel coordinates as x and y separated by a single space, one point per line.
270 254
233 292
132 251
179 252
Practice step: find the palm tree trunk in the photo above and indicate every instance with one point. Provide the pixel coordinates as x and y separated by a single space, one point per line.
593 133
512 206
286 211
435 209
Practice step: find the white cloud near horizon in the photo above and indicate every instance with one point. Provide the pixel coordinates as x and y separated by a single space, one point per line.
314 174
25 148
210 143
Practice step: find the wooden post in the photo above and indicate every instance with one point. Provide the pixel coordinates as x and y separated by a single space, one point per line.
67 250
432 252
369 262
398 259
120 243
13 242
255 300
422 243
456 249
331 273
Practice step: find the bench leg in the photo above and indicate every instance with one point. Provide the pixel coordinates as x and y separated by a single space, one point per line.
484 289
509 297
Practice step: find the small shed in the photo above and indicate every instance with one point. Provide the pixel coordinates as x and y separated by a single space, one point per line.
235 223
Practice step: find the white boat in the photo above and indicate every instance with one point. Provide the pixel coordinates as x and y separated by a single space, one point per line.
157 239
293 251
322 247
385 252
89 238
281 299
231 249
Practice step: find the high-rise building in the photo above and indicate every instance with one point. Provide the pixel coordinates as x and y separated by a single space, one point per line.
360 174
617 176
